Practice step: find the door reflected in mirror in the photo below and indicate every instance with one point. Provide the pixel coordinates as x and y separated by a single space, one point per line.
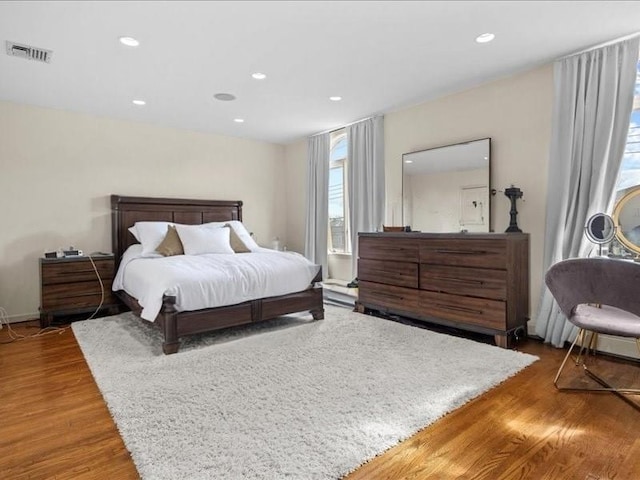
447 189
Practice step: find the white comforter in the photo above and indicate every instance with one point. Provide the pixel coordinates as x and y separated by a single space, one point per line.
210 280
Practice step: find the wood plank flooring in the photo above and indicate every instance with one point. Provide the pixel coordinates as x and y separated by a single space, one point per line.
55 425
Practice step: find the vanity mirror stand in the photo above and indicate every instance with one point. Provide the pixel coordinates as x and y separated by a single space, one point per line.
600 230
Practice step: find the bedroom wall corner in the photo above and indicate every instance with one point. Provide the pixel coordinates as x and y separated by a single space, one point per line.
295 155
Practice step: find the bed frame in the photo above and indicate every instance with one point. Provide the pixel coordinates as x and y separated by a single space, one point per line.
126 211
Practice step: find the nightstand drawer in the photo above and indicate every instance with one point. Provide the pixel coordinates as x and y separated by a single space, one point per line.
76 295
75 271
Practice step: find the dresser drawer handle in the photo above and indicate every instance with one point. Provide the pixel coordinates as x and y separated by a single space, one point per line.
459 309
460 280
463 252
389 295
74 272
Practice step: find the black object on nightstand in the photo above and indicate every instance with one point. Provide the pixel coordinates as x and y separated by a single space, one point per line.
70 286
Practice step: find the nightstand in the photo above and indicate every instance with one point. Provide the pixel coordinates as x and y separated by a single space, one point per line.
69 286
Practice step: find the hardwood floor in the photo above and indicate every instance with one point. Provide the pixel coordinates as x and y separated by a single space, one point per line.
55 425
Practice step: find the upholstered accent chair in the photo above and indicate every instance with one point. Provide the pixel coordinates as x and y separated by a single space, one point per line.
599 296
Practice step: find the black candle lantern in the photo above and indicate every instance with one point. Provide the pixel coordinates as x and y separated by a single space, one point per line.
513 193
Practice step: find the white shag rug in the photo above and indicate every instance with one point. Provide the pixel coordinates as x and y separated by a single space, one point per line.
290 398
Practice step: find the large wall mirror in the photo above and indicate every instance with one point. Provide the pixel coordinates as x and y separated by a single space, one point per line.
626 216
446 189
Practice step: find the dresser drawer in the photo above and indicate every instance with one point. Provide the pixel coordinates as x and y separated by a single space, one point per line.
470 252
76 295
388 248
75 271
401 274
475 282
389 297
475 311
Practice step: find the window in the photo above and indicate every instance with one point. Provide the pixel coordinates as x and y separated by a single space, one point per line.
339 241
629 175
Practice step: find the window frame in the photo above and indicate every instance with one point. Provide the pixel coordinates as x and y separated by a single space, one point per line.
341 162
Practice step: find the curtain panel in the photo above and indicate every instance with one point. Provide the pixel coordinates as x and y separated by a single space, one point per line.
317 224
592 107
365 177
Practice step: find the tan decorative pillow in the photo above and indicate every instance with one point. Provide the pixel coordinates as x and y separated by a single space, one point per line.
237 244
171 245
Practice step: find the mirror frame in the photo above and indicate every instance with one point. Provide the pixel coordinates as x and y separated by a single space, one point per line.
617 212
489 187
607 220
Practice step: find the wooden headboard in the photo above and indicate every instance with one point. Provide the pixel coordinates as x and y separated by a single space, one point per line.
126 211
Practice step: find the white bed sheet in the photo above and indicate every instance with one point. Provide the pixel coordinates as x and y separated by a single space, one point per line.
210 280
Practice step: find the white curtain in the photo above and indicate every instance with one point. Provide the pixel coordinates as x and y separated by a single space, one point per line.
593 101
317 226
365 177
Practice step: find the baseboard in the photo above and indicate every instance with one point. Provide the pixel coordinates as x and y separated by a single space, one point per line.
21 317
617 346
332 296
625 347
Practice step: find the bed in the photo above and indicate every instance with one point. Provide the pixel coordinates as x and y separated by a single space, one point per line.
174 324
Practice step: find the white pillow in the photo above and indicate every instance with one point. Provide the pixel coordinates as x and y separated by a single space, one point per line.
200 239
150 235
134 232
244 235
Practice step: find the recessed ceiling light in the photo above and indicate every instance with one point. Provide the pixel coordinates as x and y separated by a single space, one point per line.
259 76
139 102
225 97
129 41
335 99
408 161
485 37
238 120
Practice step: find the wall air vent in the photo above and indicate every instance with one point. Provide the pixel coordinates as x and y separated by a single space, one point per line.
28 52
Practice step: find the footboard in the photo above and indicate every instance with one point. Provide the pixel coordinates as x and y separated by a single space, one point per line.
178 324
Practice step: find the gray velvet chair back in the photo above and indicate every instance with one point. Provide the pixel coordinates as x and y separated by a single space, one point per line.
595 280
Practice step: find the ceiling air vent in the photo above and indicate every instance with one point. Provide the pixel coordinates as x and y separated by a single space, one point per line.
28 52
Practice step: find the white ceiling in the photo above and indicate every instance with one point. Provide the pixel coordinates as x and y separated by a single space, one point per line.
379 56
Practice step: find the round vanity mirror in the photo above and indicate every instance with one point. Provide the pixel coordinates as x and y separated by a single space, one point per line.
626 217
600 228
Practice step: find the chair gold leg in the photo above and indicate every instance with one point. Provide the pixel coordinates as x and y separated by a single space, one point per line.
579 336
606 387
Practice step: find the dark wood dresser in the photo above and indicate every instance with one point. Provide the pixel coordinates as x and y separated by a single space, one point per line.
70 285
471 281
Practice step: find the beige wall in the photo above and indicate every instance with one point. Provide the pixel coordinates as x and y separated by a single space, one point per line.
58 169
515 112
295 155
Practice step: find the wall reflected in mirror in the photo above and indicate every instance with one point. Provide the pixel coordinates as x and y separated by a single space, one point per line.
447 189
626 216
